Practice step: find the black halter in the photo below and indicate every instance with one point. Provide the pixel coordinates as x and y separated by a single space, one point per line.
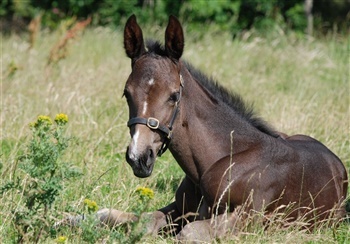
154 123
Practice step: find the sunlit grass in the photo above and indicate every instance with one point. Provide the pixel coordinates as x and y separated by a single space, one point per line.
299 86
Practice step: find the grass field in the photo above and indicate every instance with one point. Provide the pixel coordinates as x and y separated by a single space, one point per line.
298 85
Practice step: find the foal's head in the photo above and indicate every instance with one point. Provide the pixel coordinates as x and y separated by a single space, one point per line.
152 91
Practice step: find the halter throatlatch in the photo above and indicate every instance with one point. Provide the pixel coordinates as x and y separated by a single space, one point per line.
154 123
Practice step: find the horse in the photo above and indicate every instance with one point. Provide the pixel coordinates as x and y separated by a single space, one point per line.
233 160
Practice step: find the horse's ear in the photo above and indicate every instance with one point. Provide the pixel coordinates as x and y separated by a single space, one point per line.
133 39
174 38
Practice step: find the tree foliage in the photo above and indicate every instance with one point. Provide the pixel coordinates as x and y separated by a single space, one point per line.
232 15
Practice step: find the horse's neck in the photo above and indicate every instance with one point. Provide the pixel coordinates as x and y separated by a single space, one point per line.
207 130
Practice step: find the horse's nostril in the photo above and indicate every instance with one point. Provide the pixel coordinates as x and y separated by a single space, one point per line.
151 154
127 154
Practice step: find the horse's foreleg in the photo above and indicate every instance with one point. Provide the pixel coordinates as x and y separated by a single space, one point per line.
113 217
149 223
106 216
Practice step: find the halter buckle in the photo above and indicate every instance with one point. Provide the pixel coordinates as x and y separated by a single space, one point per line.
152 123
170 134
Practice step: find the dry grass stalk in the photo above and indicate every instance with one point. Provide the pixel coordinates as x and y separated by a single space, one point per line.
34 29
60 49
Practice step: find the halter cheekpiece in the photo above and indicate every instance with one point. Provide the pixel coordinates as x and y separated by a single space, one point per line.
154 123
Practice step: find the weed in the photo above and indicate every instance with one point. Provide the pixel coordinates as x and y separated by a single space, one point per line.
60 49
34 29
11 70
40 179
90 205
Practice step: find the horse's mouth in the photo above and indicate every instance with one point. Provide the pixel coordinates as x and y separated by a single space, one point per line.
141 166
142 172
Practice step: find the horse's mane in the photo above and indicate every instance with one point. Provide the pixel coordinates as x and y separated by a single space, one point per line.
232 99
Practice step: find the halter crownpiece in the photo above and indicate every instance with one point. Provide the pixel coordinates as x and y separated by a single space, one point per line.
154 123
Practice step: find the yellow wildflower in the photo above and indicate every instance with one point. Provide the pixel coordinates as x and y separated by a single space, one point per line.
61 119
145 192
61 239
42 120
91 205
32 124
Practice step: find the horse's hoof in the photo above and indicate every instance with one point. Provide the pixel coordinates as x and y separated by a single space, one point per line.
195 232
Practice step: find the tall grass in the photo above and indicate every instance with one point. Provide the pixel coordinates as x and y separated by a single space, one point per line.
299 86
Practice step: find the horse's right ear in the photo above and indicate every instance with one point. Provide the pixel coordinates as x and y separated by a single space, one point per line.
133 39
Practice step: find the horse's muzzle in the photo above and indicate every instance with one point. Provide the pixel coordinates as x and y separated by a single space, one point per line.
142 164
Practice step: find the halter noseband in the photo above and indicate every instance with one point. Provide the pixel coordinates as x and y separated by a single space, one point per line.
154 123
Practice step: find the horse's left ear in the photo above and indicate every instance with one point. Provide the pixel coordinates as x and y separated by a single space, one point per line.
174 38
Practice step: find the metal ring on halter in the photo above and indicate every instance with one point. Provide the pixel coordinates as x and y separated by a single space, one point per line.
152 123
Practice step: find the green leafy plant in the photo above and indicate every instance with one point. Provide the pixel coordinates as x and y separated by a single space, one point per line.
93 232
144 196
41 178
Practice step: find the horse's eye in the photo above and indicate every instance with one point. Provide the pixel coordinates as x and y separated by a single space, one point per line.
174 97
